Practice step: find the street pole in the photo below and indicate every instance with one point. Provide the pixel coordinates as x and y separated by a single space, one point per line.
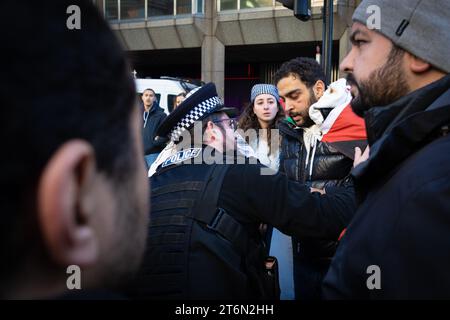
327 39
330 41
323 61
302 11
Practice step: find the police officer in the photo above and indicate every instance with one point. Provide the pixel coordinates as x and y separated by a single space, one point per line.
204 241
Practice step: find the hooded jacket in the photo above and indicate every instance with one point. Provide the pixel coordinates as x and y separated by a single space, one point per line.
155 116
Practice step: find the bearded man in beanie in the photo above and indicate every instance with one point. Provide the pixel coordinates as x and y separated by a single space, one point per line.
204 240
397 244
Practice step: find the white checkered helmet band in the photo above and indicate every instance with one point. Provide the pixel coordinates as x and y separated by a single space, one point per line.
195 114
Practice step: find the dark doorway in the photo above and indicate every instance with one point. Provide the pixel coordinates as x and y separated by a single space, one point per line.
181 63
252 64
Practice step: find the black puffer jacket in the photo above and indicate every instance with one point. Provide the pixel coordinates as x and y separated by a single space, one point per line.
330 167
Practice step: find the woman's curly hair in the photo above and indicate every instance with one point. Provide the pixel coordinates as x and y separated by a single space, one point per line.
249 120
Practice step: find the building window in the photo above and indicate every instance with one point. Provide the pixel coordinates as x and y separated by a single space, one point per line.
160 8
199 6
184 6
132 9
228 5
250 4
135 9
224 5
111 10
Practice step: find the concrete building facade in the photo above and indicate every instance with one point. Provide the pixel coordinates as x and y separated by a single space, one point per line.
234 43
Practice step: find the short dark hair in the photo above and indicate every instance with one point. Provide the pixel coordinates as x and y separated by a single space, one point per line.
149 89
57 84
307 69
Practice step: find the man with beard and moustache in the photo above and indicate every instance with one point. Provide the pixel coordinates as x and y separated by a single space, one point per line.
397 245
317 149
78 208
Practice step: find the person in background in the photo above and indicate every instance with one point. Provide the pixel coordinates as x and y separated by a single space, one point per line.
179 99
152 117
317 149
263 114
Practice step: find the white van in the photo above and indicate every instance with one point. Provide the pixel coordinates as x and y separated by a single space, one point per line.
166 89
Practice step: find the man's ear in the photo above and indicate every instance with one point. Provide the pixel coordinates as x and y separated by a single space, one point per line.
319 89
210 132
417 65
65 203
